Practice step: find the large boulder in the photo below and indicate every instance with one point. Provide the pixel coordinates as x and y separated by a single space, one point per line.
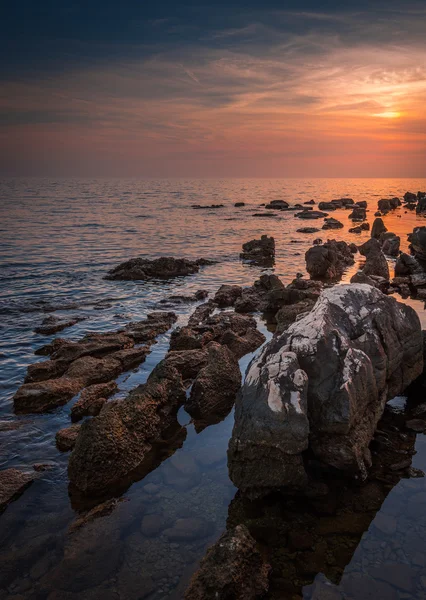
233 568
259 251
165 267
328 261
323 384
418 243
110 446
376 263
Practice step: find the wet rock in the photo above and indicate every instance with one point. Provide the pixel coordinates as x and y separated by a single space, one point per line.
257 297
264 214
100 510
410 197
66 438
347 202
13 483
417 425
277 205
227 295
387 205
421 205
418 243
330 205
130 358
259 250
391 245
358 214
378 228
142 269
216 385
181 471
307 230
206 206
115 442
324 384
376 263
361 277
360 228
53 324
331 223
288 314
329 260
89 370
92 400
187 362
310 202
231 568
154 524
48 369
353 248
187 529
406 265
45 395
311 214
239 204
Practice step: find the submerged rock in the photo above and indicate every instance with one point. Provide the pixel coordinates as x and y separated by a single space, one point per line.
329 260
13 483
66 438
323 384
307 230
232 568
53 324
166 267
259 250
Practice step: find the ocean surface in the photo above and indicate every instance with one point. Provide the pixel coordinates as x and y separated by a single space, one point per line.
57 240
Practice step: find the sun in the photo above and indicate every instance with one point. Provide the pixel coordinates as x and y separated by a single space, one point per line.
388 114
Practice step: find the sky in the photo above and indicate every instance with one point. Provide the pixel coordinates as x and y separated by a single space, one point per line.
213 89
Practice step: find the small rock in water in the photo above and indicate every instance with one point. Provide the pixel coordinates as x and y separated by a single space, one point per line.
417 425
67 437
191 528
13 483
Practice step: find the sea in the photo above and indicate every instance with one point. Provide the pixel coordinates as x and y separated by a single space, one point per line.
58 239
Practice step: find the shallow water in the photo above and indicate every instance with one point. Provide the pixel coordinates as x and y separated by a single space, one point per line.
57 239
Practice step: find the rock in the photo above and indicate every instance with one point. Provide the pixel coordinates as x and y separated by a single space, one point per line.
376 263
187 529
142 269
89 370
216 385
406 265
384 205
418 243
53 324
307 230
206 206
264 214
362 203
322 589
311 214
13 483
361 277
239 204
353 248
277 205
410 197
329 205
378 228
227 295
92 400
358 214
232 568
329 260
66 438
259 250
187 362
417 425
421 206
399 575
45 395
360 228
391 246
153 524
288 314
323 384
310 202
115 442
201 313
100 510
347 202
331 223
256 298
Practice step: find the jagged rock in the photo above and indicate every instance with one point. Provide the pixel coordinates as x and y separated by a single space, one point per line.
92 400
421 205
187 362
387 205
115 442
376 263
288 314
277 205
329 260
259 250
418 243
256 297
378 228
358 214
201 313
216 385
324 384
406 265
311 214
361 277
331 223
227 295
141 269
66 438
232 568
410 197
391 245
13 483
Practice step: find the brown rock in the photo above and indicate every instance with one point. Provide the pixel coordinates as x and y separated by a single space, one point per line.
13 483
92 400
66 438
45 395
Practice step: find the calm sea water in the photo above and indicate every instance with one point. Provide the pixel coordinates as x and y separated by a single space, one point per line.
57 240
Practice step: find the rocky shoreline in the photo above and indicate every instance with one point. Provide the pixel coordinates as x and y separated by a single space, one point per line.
311 409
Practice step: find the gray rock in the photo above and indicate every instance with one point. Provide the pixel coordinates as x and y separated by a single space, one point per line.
324 383
376 263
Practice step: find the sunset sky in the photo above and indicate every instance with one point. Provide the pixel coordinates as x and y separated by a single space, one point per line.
213 89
